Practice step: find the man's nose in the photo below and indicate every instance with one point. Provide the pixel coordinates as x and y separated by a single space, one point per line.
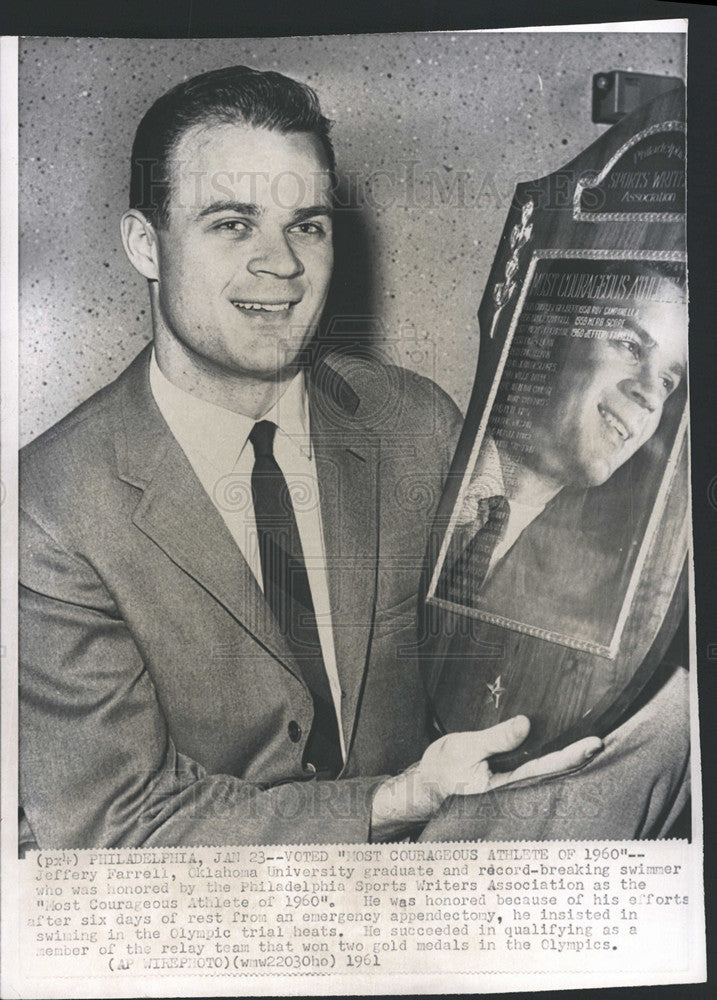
645 389
275 256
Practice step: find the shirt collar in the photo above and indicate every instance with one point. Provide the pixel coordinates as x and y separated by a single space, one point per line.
290 413
486 481
219 435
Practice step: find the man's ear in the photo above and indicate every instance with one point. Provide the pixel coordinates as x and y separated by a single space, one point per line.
140 244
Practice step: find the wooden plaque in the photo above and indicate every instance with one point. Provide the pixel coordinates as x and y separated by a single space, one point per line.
555 579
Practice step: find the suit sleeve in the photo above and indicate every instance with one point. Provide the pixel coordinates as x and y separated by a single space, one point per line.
635 789
449 424
97 765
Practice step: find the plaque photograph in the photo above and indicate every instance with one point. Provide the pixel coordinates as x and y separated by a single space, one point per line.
556 582
570 470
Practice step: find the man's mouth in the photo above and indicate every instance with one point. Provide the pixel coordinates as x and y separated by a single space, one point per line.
251 306
614 422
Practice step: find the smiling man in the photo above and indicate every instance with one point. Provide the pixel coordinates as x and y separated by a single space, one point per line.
219 562
609 394
550 526
243 278
219 568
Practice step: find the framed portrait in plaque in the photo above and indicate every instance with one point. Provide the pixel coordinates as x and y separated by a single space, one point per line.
555 582
576 451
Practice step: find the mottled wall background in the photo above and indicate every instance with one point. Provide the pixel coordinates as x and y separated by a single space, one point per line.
432 133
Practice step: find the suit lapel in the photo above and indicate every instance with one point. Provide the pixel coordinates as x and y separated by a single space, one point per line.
176 513
347 462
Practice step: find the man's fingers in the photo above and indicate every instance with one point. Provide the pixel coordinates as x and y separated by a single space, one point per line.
505 736
458 764
567 759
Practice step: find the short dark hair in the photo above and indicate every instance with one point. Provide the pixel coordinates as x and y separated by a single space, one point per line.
222 96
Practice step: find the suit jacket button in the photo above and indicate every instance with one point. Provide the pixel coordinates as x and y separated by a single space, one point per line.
294 731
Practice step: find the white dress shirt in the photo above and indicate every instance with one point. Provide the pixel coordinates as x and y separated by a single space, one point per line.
487 480
215 441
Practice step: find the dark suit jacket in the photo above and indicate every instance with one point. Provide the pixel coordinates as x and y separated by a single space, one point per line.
569 570
157 698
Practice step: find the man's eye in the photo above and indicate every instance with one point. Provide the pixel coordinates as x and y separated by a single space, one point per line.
231 226
668 383
308 229
631 346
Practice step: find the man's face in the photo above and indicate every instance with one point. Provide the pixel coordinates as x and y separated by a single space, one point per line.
246 257
608 396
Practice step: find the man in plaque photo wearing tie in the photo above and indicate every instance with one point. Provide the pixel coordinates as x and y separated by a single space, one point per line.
548 531
219 566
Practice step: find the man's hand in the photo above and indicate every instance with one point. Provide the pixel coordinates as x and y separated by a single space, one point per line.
457 765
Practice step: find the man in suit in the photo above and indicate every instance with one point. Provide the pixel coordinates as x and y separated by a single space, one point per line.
549 528
219 550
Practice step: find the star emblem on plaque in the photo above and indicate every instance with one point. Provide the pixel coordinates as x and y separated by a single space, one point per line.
496 691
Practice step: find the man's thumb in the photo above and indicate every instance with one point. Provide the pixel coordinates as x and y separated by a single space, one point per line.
505 736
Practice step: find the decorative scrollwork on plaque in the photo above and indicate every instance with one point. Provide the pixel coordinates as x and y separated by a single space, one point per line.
520 235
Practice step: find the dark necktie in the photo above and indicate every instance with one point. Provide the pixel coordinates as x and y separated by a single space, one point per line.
287 592
465 567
